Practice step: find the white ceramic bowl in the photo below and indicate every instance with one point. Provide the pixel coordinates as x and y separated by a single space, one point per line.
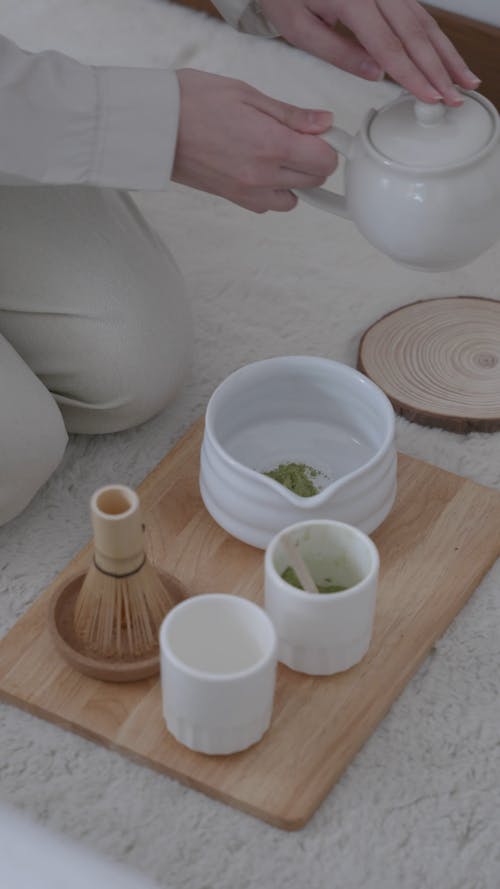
297 409
323 633
218 658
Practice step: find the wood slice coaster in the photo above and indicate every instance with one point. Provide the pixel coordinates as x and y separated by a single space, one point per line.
438 361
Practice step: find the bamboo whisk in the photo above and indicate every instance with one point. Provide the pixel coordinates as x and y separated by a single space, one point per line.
122 601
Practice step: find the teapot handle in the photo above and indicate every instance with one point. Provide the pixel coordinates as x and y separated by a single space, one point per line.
321 197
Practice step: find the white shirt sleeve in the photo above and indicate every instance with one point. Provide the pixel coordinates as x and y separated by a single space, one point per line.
245 15
62 122
66 123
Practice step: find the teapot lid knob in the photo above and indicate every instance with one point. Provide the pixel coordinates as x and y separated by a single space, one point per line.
427 114
423 135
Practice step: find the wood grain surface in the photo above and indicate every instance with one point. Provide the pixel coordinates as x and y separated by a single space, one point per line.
436 545
438 361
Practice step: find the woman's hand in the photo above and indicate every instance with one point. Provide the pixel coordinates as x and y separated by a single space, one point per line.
235 142
394 36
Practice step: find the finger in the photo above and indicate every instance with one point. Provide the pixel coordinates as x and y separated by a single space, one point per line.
294 148
309 154
419 47
320 40
303 120
286 178
282 201
278 200
384 45
451 58
290 146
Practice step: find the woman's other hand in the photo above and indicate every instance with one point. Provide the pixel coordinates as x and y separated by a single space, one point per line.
397 37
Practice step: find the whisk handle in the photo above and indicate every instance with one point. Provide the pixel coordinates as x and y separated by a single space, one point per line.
118 530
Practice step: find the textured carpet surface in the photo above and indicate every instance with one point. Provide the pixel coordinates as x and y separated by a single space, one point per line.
418 806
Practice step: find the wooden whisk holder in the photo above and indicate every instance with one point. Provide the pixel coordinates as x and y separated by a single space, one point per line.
105 620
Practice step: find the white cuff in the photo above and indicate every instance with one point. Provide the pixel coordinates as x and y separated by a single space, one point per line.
136 128
247 16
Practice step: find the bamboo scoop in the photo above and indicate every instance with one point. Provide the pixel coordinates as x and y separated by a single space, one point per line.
298 564
122 600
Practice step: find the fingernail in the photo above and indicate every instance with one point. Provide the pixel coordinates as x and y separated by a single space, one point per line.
473 79
371 71
319 118
434 96
452 95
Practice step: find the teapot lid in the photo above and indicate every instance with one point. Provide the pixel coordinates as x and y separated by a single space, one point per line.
421 135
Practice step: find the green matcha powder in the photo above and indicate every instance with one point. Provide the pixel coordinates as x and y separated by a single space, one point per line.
290 577
297 477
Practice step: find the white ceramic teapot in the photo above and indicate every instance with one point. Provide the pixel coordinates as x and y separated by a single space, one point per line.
422 182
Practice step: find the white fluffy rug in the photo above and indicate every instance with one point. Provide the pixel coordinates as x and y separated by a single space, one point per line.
418 807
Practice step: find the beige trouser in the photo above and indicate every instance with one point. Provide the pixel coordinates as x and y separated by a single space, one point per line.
95 331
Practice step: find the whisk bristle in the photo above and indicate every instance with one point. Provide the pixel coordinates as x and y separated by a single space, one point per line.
121 616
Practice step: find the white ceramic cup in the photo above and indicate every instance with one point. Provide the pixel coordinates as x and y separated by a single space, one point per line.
218 672
323 633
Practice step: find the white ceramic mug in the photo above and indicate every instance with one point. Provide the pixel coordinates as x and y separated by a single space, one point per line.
323 633
218 672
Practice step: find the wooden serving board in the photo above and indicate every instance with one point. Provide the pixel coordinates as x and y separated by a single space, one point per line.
439 540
